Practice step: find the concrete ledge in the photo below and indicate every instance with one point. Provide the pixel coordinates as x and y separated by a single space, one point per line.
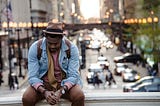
100 99
10 101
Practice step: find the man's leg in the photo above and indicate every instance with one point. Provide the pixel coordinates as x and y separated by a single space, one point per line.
31 97
76 96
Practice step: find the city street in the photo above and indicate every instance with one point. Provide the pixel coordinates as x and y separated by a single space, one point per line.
91 57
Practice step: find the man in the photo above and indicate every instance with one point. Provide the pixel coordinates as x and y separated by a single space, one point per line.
54 75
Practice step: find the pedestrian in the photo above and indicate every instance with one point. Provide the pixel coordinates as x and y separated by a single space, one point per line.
134 49
102 78
54 74
1 71
96 80
1 77
110 78
13 81
25 66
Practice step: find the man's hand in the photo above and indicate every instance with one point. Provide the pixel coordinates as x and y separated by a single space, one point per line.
52 97
58 94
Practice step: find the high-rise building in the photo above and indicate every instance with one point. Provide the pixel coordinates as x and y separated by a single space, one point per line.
111 10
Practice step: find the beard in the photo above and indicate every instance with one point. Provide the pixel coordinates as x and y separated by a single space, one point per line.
53 50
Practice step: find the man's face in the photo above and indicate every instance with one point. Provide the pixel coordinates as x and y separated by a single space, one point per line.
54 42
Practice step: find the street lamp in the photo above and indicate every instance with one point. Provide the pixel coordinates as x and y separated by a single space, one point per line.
72 18
5 25
29 25
19 49
36 31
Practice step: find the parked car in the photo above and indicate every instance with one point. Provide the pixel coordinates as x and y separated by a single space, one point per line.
119 68
128 58
147 87
146 79
93 69
130 75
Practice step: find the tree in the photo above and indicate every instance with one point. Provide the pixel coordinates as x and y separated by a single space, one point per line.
151 5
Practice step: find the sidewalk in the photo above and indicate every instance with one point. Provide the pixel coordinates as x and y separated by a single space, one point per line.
4 88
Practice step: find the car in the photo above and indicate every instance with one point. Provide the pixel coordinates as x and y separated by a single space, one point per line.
87 42
130 75
119 68
146 79
103 61
147 87
95 45
93 69
128 58
103 64
109 45
102 58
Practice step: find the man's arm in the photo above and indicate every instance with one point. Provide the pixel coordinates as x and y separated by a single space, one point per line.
33 65
72 70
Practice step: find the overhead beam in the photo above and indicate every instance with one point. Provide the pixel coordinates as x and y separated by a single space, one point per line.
91 26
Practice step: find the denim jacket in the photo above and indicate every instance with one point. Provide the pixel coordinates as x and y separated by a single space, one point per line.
38 68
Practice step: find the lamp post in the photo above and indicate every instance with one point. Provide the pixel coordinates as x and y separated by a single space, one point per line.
19 50
72 18
6 26
36 31
27 30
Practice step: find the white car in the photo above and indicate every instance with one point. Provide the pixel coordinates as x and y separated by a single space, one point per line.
95 45
130 75
103 61
109 44
92 70
119 68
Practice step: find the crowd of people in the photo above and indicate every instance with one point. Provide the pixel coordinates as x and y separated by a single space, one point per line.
105 77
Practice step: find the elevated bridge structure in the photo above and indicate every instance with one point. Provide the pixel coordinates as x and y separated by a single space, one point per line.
113 25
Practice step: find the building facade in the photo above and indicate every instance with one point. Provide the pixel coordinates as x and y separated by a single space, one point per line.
23 12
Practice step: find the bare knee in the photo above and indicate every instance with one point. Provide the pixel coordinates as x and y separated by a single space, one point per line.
78 96
30 97
28 100
76 93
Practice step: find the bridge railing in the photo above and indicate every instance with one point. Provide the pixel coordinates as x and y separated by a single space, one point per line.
99 99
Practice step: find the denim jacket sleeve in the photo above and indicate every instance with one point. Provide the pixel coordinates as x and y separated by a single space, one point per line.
34 73
71 66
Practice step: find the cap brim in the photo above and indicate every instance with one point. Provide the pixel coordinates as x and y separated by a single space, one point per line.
53 32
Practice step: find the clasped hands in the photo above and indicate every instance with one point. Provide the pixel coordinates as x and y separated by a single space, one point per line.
52 97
